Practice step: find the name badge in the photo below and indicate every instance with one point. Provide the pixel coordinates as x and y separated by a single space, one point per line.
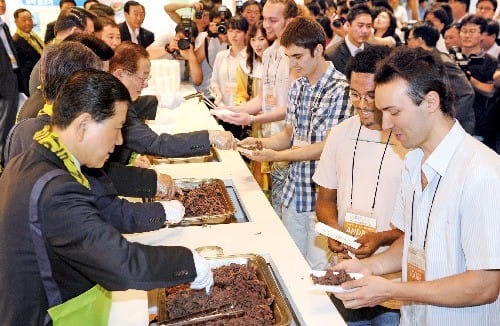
269 99
358 223
416 264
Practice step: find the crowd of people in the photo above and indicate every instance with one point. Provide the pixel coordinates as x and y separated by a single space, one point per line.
382 126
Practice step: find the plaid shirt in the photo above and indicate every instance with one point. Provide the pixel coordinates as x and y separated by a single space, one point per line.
312 112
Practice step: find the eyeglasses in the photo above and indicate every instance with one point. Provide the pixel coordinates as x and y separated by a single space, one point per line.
356 97
469 31
142 79
484 9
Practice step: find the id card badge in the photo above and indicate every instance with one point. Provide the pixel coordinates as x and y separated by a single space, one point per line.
359 223
415 268
269 99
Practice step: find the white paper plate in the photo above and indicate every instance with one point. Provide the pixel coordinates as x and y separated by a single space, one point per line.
221 113
333 288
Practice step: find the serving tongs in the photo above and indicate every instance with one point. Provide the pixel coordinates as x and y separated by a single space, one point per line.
201 98
203 316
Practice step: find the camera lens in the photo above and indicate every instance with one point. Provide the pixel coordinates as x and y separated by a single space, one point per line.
222 29
183 44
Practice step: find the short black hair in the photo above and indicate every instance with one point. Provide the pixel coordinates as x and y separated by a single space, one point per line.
366 60
98 46
492 28
422 70
305 32
442 11
427 32
59 61
238 22
466 3
129 4
69 18
475 20
19 11
88 91
102 10
61 2
357 10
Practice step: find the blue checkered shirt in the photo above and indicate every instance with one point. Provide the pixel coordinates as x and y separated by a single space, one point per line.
312 111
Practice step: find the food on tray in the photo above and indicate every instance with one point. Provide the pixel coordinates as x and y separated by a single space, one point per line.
236 288
205 200
331 278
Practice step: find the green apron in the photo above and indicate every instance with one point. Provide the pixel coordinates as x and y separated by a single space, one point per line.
89 308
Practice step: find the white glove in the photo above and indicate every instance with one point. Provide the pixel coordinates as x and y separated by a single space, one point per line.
204 276
174 211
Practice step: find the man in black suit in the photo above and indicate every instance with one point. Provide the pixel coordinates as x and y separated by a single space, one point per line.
359 24
131 30
50 33
29 47
9 64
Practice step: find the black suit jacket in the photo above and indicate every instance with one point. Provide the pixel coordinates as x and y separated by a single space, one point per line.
339 54
28 57
8 91
145 37
49 32
83 246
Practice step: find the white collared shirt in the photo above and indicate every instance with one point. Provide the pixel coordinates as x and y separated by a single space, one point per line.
133 34
463 225
224 74
353 49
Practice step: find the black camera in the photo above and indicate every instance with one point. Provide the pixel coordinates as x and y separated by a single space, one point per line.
338 22
222 25
185 42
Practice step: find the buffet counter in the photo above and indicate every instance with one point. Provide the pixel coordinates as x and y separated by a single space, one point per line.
262 234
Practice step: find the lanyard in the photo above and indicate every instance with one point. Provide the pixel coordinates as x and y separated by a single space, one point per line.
379 168
275 71
428 216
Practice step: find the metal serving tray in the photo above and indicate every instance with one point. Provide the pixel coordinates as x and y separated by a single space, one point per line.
192 159
281 311
229 211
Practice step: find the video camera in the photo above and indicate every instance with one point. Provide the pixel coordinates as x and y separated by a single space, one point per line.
185 42
222 25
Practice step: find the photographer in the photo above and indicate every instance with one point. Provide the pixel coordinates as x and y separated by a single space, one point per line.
211 42
480 67
182 48
200 13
